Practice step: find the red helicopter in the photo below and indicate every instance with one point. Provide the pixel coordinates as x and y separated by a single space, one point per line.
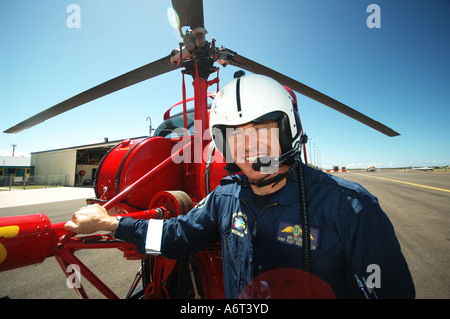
158 177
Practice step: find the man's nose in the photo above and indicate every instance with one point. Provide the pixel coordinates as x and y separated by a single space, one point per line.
251 141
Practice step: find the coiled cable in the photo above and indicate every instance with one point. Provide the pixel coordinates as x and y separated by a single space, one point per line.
304 217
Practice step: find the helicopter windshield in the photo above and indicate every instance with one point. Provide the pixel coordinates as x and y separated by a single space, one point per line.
169 127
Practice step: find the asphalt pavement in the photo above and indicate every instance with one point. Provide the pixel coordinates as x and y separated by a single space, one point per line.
21 197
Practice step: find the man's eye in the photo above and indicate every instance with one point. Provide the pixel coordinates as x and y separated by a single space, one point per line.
236 133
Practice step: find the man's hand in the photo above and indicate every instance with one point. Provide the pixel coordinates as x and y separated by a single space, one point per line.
91 219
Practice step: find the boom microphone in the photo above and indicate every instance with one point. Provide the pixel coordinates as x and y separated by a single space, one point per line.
269 164
266 164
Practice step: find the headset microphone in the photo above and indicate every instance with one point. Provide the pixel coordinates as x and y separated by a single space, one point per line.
269 164
266 164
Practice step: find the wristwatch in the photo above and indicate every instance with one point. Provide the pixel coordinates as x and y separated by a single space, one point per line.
113 233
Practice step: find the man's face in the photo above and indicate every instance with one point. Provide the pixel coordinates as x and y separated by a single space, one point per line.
250 141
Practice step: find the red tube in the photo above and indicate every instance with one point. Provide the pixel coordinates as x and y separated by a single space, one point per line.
24 240
29 239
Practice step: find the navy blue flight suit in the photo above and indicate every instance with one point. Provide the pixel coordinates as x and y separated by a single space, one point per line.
350 234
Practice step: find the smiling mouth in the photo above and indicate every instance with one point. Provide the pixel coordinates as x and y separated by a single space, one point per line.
261 158
252 159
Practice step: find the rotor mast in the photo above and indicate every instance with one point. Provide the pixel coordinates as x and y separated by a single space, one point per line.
196 56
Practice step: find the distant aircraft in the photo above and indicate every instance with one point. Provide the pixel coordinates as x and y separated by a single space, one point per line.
423 168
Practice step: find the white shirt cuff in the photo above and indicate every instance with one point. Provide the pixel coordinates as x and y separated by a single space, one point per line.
154 236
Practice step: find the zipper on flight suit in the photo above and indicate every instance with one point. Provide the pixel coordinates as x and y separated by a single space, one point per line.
255 223
233 265
255 230
254 216
253 235
229 254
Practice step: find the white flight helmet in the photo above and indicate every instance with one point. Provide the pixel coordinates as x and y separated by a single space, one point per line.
256 98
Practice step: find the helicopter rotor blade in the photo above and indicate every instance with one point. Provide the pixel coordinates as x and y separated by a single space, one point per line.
239 61
135 76
190 13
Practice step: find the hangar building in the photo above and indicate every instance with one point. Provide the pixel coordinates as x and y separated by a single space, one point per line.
71 166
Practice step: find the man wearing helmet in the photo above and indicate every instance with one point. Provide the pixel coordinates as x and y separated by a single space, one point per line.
262 135
273 212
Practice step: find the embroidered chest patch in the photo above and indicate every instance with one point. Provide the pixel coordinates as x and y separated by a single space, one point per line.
291 234
239 224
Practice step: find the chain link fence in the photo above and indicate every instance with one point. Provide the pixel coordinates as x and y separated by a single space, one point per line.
31 181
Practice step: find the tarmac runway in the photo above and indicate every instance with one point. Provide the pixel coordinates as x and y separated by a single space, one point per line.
20 197
417 203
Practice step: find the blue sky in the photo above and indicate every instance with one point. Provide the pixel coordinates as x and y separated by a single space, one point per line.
398 74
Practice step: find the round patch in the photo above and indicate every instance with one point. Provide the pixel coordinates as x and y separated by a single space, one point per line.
239 223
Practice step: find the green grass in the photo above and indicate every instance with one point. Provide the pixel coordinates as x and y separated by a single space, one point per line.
30 186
